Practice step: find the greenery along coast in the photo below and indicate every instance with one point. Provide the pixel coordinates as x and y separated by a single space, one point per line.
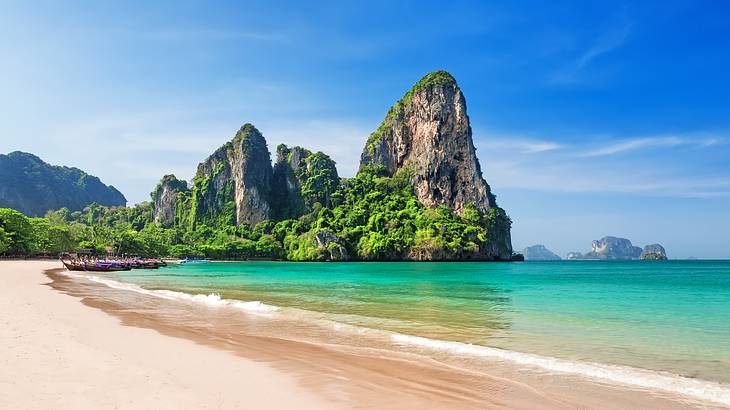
419 195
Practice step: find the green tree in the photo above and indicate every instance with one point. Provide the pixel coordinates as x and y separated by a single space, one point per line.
17 226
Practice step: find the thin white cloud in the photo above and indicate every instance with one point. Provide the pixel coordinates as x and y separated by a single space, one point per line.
649 142
582 168
210 34
521 144
608 41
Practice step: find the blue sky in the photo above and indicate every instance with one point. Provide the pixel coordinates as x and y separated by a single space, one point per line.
590 118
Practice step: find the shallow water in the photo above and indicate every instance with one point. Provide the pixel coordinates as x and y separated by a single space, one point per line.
666 316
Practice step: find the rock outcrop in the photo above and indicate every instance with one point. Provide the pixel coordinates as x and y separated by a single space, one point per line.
427 133
165 199
539 253
300 180
427 136
334 247
574 256
232 186
34 187
613 248
653 252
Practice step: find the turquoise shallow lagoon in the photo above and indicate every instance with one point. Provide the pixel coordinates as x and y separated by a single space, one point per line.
668 316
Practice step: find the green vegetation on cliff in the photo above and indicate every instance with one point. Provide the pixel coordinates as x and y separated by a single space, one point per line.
439 78
371 217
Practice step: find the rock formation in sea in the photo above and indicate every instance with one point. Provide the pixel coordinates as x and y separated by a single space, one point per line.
300 180
427 135
613 248
653 252
34 187
574 256
165 199
232 186
539 253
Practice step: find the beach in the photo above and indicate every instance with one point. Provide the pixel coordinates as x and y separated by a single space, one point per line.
72 343
58 353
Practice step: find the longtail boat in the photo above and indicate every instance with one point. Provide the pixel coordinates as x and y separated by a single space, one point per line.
105 267
74 266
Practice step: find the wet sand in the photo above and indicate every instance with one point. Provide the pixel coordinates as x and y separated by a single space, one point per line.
63 354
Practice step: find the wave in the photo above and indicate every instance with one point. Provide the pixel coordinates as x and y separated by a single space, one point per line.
667 382
212 299
695 388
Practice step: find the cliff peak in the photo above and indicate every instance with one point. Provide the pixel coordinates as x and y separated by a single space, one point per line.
231 187
427 133
428 130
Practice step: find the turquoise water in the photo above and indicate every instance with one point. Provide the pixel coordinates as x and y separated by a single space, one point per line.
670 316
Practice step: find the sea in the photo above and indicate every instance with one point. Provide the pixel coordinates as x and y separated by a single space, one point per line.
661 325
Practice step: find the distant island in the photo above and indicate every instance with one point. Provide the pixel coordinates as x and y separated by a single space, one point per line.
34 187
419 195
613 248
539 253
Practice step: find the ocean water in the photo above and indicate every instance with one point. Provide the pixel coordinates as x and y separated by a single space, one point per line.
654 324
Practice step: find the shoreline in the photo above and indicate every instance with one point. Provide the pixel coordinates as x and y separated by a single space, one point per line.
372 379
59 353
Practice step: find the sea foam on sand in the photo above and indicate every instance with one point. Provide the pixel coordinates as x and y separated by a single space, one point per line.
692 388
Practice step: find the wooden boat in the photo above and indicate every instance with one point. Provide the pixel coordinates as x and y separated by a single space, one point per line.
72 266
105 267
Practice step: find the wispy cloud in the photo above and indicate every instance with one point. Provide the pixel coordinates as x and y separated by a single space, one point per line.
210 34
538 164
649 142
526 145
609 40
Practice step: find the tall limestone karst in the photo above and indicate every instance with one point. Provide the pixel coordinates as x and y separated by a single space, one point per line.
301 179
419 194
165 199
427 134
232 186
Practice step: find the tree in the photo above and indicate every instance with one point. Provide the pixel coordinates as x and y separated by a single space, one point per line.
18 228
4 241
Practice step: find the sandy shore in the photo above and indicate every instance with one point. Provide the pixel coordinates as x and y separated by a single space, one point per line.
59 353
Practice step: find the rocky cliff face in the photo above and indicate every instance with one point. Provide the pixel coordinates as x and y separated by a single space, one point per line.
653 252
614 248
427 135
539 253
301 179
610 247
165 199
34 187
427 132
232 186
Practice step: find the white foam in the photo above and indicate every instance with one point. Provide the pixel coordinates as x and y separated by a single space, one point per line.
694 388
212 299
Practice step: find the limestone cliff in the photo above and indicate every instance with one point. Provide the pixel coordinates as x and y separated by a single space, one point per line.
232 186
539 253
300 180
165 199
653 252
613 248
427 134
